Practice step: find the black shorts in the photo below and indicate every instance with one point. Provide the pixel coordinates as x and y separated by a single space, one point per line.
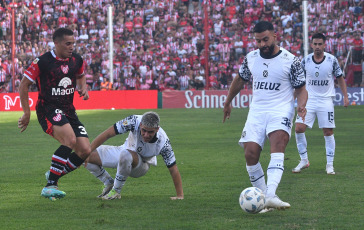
57 117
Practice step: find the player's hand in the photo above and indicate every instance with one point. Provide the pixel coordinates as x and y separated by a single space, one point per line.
83 93
227 111
302 112
177 198
23 122
346 102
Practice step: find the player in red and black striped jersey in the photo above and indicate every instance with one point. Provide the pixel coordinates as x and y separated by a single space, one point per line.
58 74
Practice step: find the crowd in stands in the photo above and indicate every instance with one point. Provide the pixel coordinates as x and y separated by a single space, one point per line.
160 44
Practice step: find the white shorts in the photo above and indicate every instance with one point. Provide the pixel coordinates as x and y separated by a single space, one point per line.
323 108
110 156
259 124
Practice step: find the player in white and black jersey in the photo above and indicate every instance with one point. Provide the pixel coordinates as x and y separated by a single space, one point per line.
277 76
146 140
321 69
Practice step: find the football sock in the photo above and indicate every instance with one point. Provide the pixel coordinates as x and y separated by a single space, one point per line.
256 175
274 173
59 160
330 148
73 162
302 145
100 173
123 170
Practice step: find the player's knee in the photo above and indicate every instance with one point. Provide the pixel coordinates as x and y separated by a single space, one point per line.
328 132
125 158
70 142
251 157
300 128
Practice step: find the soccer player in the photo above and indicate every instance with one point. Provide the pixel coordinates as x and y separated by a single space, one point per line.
57 74
277 77
146 140
321 68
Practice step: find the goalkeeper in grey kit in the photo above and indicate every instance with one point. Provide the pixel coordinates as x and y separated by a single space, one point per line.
146 140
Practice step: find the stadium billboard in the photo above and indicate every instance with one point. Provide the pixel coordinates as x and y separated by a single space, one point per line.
193 99
119 99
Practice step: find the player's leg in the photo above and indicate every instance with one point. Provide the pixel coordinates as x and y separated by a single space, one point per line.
126 162
64 134
252 140
330 149
278 140
301 141
82 147
326 122
254 168
104 156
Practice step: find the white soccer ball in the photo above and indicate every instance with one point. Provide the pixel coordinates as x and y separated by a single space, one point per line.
252 200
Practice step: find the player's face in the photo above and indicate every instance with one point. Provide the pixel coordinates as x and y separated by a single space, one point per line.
65 47
318 46
148 133
266 42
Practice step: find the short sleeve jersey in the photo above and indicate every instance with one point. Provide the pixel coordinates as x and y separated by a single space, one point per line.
160 145
56 81
320 76
274 79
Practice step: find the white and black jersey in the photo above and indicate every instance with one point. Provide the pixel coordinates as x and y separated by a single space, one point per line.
274 79
320 77
160 145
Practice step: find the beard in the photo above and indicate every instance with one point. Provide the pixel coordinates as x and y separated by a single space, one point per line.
267 51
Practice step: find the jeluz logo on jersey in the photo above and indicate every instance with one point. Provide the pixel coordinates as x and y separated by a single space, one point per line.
65 82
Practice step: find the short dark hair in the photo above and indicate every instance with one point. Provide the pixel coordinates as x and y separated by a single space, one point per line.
263 26
60 32
319 36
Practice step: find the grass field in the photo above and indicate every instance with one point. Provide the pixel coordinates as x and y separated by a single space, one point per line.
213 172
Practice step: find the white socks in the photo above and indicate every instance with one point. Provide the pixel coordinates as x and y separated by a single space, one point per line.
256 175
302 145
123 170
274 173
330 149
100 173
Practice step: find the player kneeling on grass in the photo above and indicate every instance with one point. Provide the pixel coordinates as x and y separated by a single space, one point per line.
146 140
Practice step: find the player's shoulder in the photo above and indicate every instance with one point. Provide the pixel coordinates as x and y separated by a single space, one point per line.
76 55
330 57
286 55
253 54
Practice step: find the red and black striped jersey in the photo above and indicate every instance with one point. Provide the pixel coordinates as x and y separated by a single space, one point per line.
56 80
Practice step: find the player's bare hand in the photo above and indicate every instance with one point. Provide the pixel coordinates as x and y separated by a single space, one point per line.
177 198
302 112
227 111
83 93
346 102
23 122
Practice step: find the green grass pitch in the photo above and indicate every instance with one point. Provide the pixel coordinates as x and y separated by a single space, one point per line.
213 173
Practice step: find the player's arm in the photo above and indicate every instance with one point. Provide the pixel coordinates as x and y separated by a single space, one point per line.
302 95
24 100
342 85
176 177
82 86
235 88
102 137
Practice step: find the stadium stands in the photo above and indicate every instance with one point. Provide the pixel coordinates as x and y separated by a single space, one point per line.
159 44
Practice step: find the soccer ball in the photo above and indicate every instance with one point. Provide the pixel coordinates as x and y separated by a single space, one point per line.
252 200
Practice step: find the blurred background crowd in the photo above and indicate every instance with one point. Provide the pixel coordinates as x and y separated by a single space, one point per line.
160 44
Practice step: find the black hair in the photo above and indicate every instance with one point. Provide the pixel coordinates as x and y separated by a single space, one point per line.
60 32
319 36
263 26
